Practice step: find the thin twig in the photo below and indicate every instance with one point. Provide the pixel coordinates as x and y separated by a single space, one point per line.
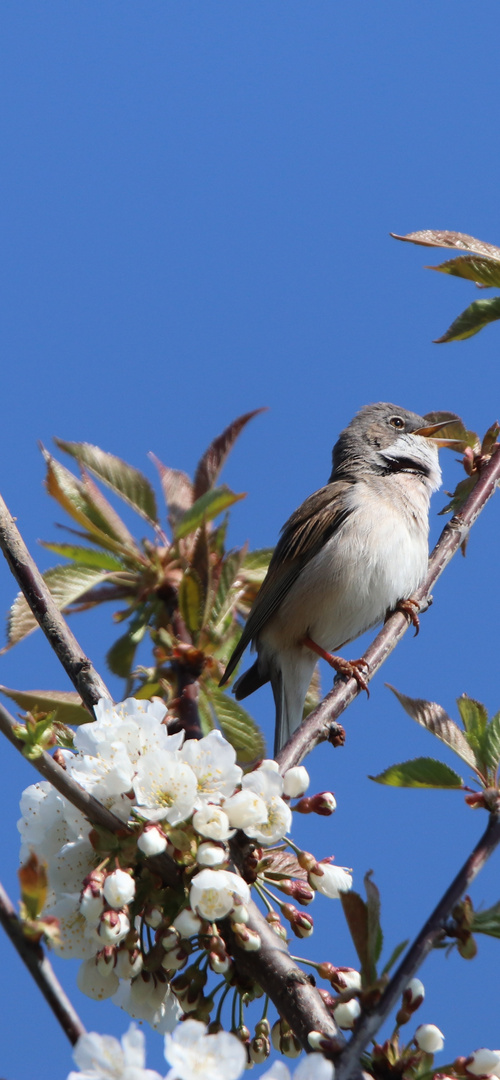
41 969
370 1022
83 675
317 727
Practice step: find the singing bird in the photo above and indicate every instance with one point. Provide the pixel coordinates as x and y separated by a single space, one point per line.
351 553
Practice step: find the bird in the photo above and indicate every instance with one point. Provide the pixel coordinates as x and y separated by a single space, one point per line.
353 551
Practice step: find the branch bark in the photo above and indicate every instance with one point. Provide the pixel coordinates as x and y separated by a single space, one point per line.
319 723
41 969
83 675
369 1023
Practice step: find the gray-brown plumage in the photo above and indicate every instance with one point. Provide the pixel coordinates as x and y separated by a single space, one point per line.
349 553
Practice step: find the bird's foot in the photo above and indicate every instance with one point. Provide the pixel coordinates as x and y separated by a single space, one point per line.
411 609
348 669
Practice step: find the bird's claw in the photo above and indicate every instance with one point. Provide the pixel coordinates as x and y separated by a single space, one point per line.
411 609
350 669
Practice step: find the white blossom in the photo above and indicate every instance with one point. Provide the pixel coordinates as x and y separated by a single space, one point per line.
245 808
310 1067
194 1055
484 1062
213 893
429 1038
213 760
101 1057
94 983
154 1002
333 880
296 781
119 889
212 822
268 784
165 787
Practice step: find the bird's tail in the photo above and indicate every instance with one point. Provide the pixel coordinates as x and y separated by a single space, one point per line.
290 682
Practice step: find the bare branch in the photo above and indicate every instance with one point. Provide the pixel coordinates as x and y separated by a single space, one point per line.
369 1023
41 969
318 724
83 675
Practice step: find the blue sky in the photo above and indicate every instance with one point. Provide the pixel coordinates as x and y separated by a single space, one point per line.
195 207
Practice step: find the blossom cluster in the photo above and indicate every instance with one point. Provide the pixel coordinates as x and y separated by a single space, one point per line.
133 933
191 1053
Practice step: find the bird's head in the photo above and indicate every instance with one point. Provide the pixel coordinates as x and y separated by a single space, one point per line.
385 438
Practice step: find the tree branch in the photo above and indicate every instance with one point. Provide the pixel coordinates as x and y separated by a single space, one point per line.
83 675
41 969
317 727
369 1023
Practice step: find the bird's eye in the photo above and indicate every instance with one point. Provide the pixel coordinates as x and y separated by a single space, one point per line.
397 422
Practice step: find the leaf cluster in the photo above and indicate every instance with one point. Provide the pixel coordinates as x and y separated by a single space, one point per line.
481 266
180 588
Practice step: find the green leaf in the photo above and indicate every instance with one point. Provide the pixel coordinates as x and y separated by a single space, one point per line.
210 465
206 508
395 954
473 319
492 742
474 717
177 490
487 921
419 773
190 600
473 268
120 656
76 500
129 483
66 584
237 726
461 494
434 718
85 556
205 711
66 705
226 595
256 564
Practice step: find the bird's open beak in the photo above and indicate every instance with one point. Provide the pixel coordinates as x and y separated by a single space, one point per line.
430 431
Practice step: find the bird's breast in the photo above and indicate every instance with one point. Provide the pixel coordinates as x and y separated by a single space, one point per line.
377 557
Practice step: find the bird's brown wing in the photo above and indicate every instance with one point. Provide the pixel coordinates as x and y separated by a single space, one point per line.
303 535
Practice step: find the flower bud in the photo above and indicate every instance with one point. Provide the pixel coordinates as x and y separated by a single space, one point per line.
295 782
249 940
330 880
306 860
105 960
345 978
324 803
274 921
153 917
175 959
259 1049
114 926
187 923
119 889
346 1013
219 964
301 924
128 963
483 1062
210 854
152 841
429 1038
299 890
